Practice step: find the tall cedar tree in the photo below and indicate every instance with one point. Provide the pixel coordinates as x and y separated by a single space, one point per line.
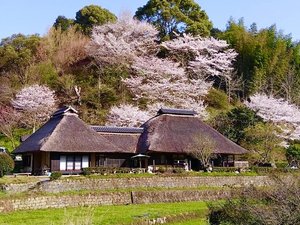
92 15
180 16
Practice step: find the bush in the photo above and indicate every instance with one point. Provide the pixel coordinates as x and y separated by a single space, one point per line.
161 169
55 175
224 169
269 170
293 153
178 170
277 205
6 164
282 164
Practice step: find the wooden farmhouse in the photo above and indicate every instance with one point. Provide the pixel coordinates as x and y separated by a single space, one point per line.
65 143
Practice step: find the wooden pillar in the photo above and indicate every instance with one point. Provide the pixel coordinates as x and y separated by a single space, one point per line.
93 160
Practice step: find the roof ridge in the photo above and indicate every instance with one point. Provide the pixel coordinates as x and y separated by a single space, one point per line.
175 111
115 129
63 110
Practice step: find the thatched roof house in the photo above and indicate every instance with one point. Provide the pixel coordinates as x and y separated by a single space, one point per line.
172 131
66 143
65 132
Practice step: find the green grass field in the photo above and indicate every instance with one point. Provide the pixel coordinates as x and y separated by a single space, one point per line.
105 215
197 221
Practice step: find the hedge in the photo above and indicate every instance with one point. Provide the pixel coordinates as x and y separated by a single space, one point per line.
104 170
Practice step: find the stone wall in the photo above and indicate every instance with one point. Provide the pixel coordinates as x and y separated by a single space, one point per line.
115 198
155 182
18 188
142 197
43 202
98 196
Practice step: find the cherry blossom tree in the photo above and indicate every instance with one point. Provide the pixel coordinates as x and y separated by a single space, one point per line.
36 103
121 42
127 116
180 80
203 56
279 111
163 81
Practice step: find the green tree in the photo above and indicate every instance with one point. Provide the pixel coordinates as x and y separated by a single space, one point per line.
234 123
268 61
92 15
175 16
263 141
17 53
63 22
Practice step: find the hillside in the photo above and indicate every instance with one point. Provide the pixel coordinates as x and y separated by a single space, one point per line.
119 71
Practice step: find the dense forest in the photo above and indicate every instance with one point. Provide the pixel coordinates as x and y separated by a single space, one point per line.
243 81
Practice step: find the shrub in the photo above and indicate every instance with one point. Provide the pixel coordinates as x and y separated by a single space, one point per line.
162 169
277 205
269 170
224 169
293 153
6 164
104 170
282 164
55 175
178 170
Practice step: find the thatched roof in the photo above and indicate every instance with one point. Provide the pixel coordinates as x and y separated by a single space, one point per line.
174 134
65 132
176 112
123 137
171 131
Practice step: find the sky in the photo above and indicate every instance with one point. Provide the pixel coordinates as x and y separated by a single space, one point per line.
37 16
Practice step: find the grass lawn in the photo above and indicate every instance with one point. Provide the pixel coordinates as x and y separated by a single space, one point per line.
197 221
105 215
18 180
